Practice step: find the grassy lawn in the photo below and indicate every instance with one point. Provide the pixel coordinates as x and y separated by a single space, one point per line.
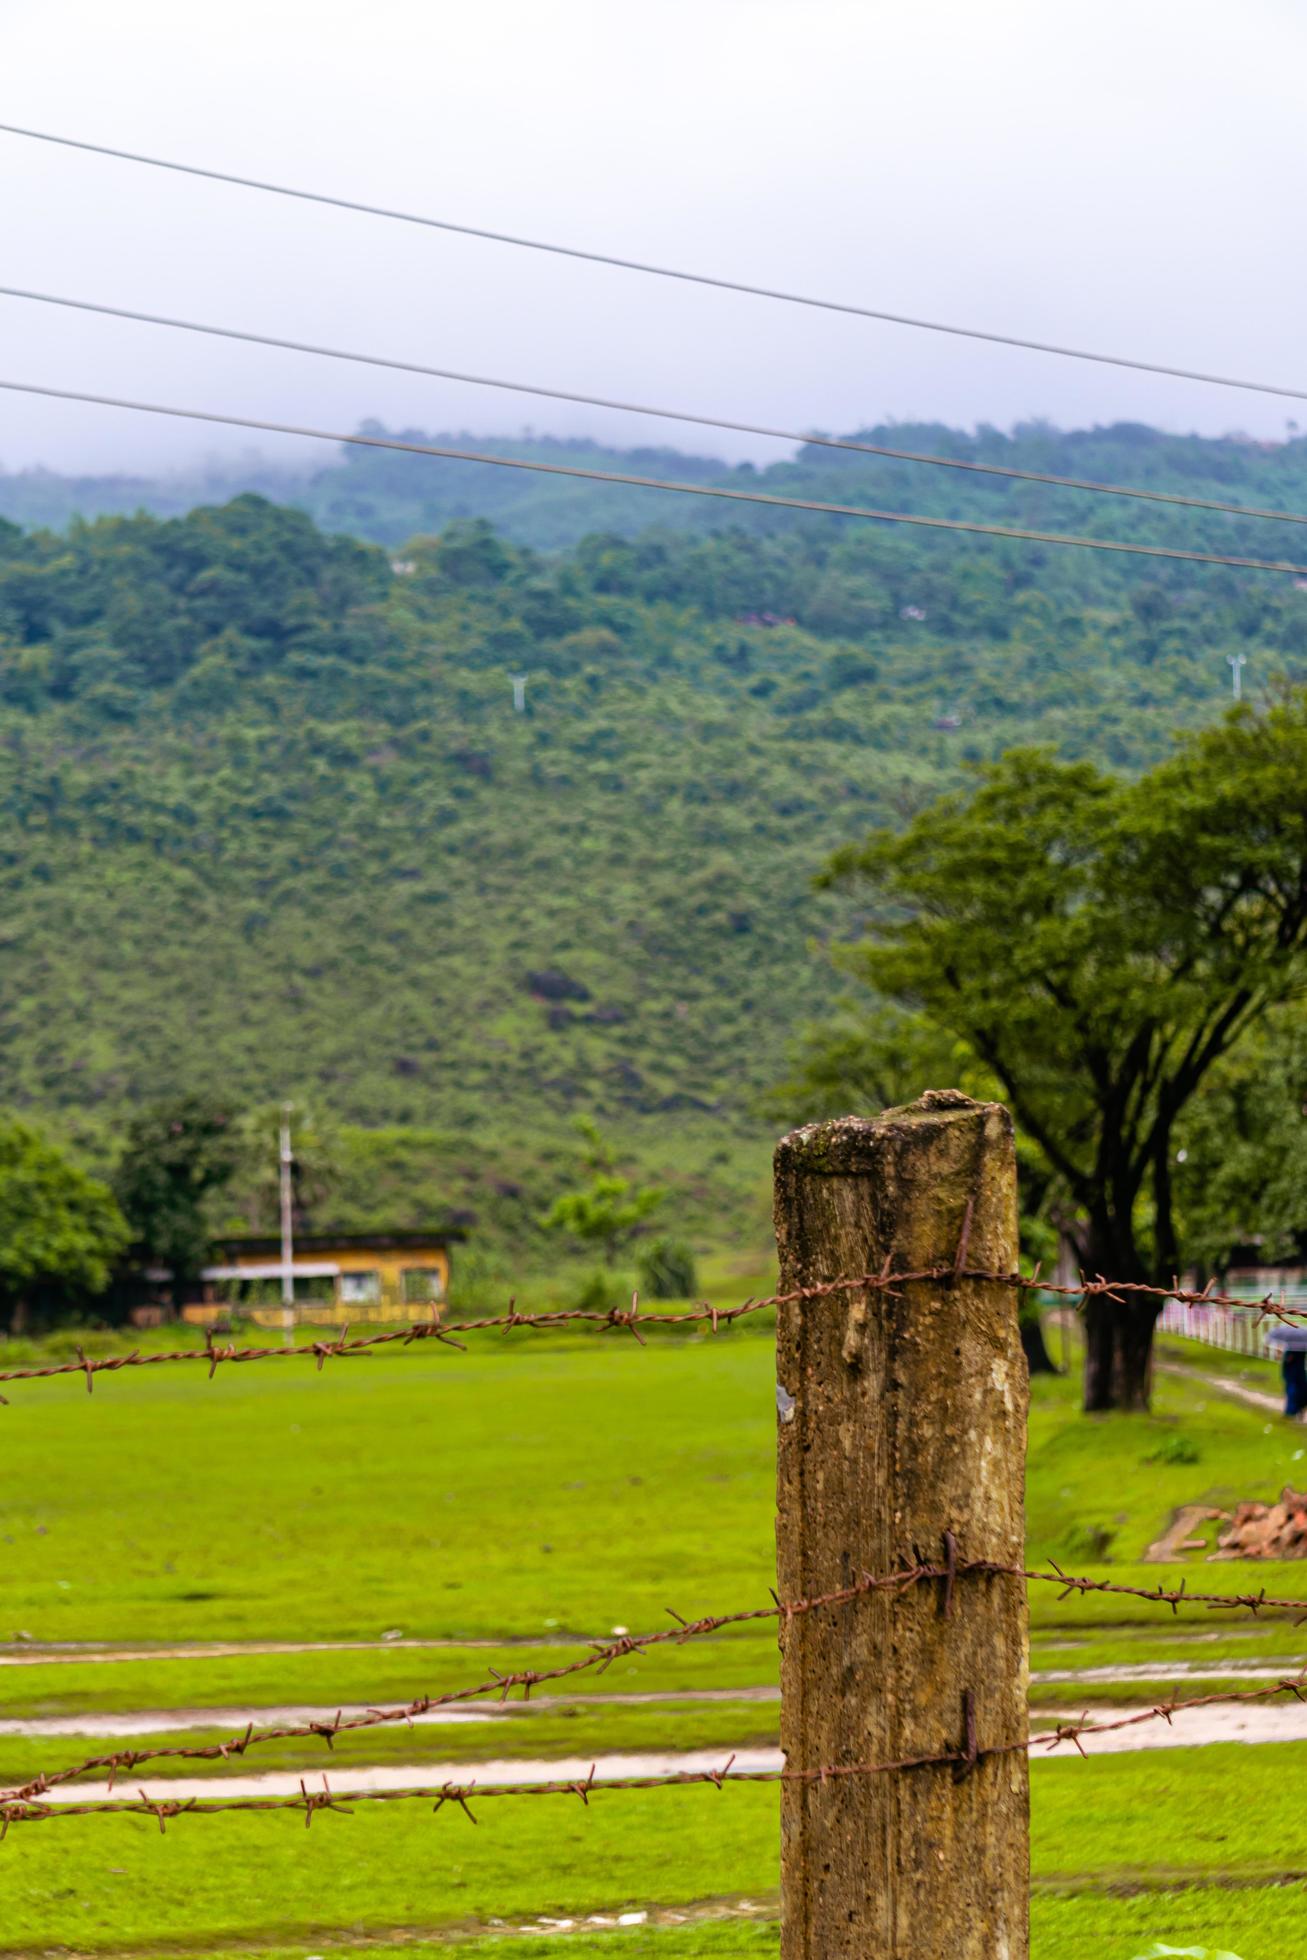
530 1489
515 1502
527 1488
736 1657
1181 1845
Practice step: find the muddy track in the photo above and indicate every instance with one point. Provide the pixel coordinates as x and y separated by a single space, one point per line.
1248 1722
35 1653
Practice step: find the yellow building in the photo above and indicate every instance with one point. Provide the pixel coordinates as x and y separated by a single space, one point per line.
337 1277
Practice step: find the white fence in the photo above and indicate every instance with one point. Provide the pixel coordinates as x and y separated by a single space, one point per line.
1234 1328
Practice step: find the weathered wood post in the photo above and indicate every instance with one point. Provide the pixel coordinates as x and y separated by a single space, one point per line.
902 1416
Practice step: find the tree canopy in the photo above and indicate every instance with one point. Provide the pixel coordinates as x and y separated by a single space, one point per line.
176 1157
610 1208
60 1230
1100 945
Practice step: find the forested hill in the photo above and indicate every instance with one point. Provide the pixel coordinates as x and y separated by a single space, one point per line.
271 825
387 497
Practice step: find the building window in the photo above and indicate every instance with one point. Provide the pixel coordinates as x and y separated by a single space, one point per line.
360 1289
421 1286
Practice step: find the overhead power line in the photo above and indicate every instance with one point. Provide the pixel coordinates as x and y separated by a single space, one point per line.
721 491
847 443
661 271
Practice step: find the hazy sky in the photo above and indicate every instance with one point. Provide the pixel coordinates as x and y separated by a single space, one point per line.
1124 174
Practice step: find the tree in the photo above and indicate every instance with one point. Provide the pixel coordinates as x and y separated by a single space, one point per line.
176 1157
609 1210
60 1230
1241 1156
1100 946
883 1059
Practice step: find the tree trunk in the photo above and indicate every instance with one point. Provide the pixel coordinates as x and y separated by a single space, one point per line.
1038 1359
1118 1333
1118 1354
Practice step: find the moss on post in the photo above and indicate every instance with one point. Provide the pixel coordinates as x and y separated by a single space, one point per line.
902 1417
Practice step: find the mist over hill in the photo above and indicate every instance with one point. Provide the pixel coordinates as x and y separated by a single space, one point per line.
386 496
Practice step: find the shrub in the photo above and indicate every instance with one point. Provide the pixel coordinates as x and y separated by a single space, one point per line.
600 1291
1175 1449
1088 1541
667 1270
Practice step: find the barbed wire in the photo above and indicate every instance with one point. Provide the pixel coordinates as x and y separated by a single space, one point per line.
601 1656
960 1758
309 1801
635 1317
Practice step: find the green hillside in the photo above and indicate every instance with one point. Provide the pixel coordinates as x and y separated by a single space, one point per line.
271 826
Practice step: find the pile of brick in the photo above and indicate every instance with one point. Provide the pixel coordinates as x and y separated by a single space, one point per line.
1267 1530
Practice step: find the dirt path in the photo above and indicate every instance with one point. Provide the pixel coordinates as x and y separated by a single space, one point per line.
404 1776
1172 1670
174 1721
1188 1728
1256 1398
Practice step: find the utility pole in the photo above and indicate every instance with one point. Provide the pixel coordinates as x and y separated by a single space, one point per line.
1238 661
519 691
287 1193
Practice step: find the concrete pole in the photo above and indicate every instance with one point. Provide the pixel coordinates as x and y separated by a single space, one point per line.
901 1419
286 1192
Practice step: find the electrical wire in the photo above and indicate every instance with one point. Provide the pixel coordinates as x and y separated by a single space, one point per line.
624 477
847 443
660 271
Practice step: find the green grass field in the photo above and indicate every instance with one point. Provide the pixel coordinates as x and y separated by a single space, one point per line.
515 1502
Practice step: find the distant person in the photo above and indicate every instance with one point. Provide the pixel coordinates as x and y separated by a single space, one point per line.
1289 1340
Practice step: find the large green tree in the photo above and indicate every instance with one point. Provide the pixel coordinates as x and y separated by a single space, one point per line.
1100 945
60 1230
176 1158
878 1061
1241 1157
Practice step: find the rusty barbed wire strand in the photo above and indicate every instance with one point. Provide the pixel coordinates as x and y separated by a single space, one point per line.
460 1793
634 1317
602 1654
961 1759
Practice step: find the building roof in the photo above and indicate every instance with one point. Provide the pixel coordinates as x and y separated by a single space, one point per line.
269 1242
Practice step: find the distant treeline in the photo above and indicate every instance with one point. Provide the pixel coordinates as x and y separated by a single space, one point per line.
387 497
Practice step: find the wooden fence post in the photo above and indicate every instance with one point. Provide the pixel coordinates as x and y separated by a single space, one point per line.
902 1416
